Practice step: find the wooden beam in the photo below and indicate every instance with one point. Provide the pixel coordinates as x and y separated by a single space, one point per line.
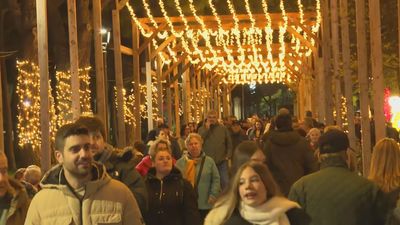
136 80
146 42
42 34
335 55
101 99
176 105
229 18
170 69
377 69
301 38
73 55
295 21
326 51
176 76
348 81
126 50
2 149
362 65
121 4
121 133
160 86
186 96
162 46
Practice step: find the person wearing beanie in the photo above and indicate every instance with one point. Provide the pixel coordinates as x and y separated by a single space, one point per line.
335 195
289 155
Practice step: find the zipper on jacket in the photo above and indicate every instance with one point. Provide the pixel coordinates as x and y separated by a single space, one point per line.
161 190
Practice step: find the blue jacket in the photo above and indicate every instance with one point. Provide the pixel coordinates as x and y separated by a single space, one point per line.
209 184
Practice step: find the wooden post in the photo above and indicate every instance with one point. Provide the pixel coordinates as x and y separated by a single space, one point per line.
121 137
41 12
176 104
136 81
218 97
194 93
149 96
225 100
101 99
169 102
319 72
208 102
363 81
377 69
160 86
335 55
327 81
2 149
348 83
186 97
73 55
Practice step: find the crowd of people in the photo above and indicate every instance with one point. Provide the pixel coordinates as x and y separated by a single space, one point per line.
265 172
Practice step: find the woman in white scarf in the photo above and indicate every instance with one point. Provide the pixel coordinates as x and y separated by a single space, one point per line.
252 198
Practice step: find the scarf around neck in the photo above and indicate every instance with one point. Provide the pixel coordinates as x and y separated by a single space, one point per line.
272 212
190 172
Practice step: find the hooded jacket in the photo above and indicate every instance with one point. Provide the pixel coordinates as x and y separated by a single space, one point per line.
19 203
172 200
105 201
120 166
289 157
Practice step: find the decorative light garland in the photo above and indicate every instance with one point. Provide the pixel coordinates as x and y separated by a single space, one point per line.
28 91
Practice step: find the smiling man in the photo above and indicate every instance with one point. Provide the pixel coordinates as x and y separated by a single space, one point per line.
78 190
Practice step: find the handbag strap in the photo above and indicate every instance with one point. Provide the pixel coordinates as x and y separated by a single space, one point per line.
203 159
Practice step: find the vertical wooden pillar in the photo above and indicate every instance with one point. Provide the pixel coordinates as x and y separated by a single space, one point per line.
101 99
363 82
326 51
335 55
136 82
224 96
169 101
121 137
149 96
73 55
2 149
319 73
176 104
160 86
348 82
377 69
42 34
218 98
186 96
208 103
194 94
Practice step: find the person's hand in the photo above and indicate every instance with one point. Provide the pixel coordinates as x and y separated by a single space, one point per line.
211 200
207 124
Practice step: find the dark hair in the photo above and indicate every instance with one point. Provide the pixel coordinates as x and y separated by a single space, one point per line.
151 136
93 124
66 131
140 146
242 154
283 122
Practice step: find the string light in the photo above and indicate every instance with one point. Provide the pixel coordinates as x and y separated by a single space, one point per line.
28 91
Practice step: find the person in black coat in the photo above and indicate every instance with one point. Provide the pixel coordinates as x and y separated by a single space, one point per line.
172 199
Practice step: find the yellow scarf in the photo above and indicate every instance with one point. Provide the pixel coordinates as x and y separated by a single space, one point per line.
190 173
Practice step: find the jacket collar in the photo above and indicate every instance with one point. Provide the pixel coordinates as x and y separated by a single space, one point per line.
173 175
334 161
55 179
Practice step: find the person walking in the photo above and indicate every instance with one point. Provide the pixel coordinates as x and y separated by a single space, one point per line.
217 144
335 195
200 170
78 190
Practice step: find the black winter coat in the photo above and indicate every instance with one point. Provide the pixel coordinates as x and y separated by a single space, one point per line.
172 200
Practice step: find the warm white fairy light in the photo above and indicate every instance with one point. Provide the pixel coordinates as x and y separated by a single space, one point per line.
28 91
135 19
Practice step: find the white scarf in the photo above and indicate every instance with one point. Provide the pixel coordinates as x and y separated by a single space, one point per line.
271 212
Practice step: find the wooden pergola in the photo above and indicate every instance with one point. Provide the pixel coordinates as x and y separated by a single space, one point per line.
317 82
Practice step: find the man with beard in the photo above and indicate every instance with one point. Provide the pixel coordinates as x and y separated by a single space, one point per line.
79 190
14 200
119 163
217 144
